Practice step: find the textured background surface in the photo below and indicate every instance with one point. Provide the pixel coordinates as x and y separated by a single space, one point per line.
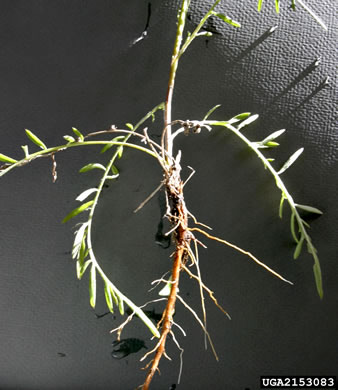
67 64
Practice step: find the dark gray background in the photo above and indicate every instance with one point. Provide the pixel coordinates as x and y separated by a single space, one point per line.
72 63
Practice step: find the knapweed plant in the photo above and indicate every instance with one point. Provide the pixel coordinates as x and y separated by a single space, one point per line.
185 230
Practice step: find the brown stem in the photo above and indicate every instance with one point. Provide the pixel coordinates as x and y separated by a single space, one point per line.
168 317
178 212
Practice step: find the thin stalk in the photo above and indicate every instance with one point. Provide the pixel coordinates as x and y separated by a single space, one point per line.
55 149
168 143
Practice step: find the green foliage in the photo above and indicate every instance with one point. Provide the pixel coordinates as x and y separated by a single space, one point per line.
37 141
77 211
226 19
7 159
297 224
79 135
91 166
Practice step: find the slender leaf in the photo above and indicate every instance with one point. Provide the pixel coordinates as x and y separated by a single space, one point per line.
120 151
108 146
211 111
277 6
293 228
272 144
242 116
108 296
7 159
226 19
281 206
81 269
92 286
115 170
78 134
112 292
37 141
77 211
298 248
205 34
318 278
130 126
259 5
69 138
273 136
79 237
121 306
91 166
247 121
83 253
84 195
310 209
290 161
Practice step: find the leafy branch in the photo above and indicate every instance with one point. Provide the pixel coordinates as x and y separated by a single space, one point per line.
296 221
293 6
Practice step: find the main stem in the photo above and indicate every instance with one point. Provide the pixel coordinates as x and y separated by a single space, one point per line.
173 67
174 190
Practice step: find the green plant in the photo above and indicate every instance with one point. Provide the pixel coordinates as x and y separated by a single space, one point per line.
173 186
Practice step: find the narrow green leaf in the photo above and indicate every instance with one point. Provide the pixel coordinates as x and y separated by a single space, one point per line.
25 150
242 116
205 34
121 306
79 237
77 211
271 144
113 295
120 151
318 278
310 209
226 19
130 126
290 161
247 121
91 166
281 206
270 159
84 195
78 134
92 286
37 141
108 146
273 136
277 6
83 253
259 5
81 269
69 138
108 296
211 111
293 228
298 248
305 223
7 159
112 177
115 170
